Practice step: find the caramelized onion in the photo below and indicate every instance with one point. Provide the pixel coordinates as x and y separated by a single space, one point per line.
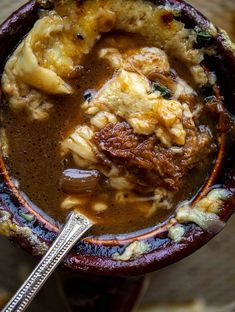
79 181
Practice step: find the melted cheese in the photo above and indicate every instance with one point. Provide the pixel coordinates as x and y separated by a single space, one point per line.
79 144
205 212
129 96
27 67
133 251
54 48
176 233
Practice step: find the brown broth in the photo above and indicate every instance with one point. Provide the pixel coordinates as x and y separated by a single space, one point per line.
35 160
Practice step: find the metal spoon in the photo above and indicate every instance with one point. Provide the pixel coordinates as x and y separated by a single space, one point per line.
74 229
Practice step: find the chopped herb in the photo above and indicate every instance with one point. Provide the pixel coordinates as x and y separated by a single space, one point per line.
27 216
165 92
203 37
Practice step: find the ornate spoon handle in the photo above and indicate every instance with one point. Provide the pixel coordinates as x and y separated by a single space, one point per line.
74 228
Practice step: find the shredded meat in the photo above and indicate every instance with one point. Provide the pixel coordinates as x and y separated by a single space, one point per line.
152 163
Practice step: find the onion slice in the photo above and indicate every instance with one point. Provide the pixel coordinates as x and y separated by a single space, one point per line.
79 181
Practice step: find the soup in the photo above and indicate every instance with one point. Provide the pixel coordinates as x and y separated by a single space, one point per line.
105 114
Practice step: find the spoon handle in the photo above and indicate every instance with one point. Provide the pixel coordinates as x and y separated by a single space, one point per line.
74 228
